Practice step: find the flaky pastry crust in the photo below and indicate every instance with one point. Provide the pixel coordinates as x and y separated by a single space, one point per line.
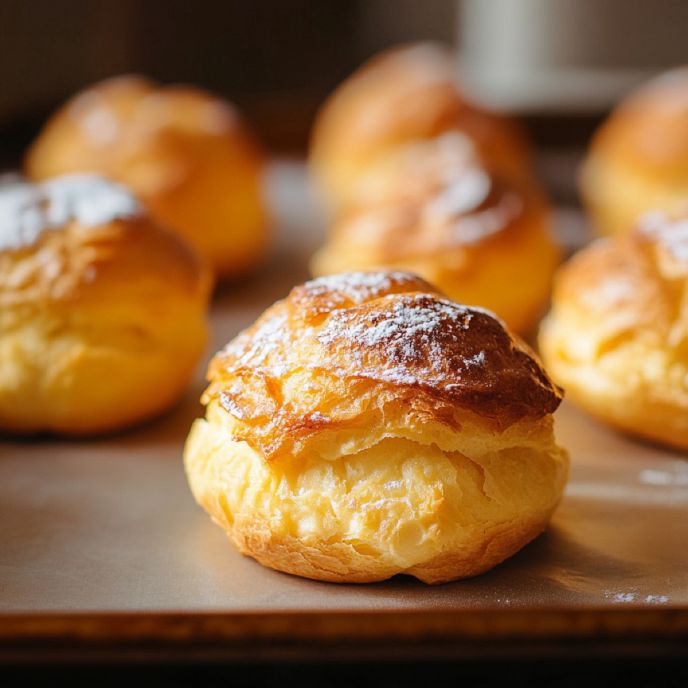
617 335
186 154
367 426
638 158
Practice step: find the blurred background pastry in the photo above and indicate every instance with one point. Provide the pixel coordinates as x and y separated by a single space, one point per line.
102 313
366 426
617 336
405 94
186 153
638 159
431 207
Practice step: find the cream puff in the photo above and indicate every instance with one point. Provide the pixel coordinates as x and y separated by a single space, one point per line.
617 335
366 426
431 208
186 154
403 95
638 159
102 314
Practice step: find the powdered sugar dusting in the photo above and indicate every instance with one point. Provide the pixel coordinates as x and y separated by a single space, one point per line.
408 338
615 289
21 220
358 287
414 332
408 317
464 195
273 334
89 199
434 195
672 234
473 228
27 210
478 359
442 158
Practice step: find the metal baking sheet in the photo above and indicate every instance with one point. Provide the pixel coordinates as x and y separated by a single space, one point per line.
101 542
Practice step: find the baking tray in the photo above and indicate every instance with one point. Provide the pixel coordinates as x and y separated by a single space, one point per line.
104 554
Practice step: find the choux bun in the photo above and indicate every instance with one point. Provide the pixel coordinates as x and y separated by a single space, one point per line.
366 426
429 207
638 159
102 314
185 153
617 335
399 96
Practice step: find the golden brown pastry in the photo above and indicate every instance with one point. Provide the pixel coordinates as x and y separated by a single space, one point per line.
638 159
617 336
399 96
102 314
428 207
186 154
366 426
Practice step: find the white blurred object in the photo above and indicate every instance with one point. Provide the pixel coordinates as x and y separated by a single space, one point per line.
566 55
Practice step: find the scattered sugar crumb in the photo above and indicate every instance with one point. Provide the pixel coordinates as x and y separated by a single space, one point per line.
629 597
621 597
656 599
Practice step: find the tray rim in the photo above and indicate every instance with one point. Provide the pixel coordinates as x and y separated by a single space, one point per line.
302 635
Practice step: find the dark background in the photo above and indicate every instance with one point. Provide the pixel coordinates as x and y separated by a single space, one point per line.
276 59
567 61
540 673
